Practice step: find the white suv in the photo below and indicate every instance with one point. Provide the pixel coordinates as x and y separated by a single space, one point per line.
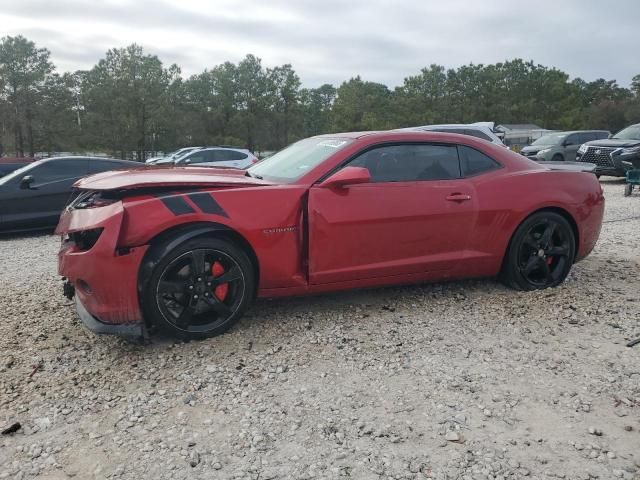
219 156
478 130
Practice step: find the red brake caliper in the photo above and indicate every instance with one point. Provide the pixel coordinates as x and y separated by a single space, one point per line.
221 290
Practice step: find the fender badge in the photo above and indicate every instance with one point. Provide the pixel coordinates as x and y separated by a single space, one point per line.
271 231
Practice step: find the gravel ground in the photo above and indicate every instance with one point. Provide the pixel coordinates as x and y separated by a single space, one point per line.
465 380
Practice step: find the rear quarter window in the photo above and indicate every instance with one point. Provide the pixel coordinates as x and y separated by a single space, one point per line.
473 162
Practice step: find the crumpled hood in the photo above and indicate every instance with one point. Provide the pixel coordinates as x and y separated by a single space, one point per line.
150 177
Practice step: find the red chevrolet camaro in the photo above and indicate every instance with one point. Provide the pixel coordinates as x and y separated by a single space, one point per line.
186 250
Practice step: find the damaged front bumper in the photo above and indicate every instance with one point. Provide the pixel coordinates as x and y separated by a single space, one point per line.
132 331
101 276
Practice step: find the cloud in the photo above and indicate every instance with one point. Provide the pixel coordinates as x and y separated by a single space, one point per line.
331 41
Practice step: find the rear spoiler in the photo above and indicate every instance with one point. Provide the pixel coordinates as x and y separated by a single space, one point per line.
570 166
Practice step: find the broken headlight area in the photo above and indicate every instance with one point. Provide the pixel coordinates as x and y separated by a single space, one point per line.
83 240
91 199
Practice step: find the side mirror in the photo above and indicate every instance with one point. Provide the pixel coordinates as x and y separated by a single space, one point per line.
347 176
26 182
187 161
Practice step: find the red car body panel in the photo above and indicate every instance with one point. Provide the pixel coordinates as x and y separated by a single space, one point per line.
310 238
153 176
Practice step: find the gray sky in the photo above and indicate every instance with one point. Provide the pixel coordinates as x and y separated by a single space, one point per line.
332 40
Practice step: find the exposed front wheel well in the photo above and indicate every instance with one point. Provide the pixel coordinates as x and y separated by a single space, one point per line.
168 239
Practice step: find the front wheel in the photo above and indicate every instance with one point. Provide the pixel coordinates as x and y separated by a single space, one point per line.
199 289
541 252
557 158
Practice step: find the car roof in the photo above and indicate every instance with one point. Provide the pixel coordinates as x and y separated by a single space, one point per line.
405 134
454 125
350 134
222 147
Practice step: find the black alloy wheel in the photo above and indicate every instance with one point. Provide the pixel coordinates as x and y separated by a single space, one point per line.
541 252
200 288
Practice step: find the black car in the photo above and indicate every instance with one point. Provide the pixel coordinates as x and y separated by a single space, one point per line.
8 165
609 154
33 196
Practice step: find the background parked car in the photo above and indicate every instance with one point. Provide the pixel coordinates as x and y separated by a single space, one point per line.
9 164
171 157
608 154
220 156
561 146
34 196
480 130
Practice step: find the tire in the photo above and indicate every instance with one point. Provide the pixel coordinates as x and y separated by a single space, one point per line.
557 158
185 296
540 253
628 188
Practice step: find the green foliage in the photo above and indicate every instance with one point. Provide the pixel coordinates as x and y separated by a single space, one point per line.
361 106
24 71
129 103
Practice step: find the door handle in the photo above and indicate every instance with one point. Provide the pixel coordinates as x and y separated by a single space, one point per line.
458 197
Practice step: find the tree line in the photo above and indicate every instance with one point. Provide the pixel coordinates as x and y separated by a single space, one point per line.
131 103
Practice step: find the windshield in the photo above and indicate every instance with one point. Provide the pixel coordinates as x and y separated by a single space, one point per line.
17 173
629 133
293 162
553 139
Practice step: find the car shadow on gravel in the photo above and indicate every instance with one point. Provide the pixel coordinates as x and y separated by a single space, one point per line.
6 236
265 312
383 298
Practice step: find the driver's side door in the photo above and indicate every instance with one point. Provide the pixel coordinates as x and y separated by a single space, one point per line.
414 216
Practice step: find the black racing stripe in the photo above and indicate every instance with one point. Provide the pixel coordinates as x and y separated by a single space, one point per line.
177 205
205 202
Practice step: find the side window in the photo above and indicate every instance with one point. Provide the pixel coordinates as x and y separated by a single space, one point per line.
478 134
216 155
198 157
409 163
573 140
226 155
235 155
53 171
474 162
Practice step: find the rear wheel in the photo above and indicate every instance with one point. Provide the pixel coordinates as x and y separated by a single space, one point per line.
199 289
557 158
541 252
